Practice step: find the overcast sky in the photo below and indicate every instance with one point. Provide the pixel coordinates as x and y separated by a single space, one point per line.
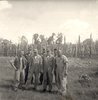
19 18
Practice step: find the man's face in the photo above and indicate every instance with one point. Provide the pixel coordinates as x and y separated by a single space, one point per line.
55 52
59 53
48 52
22 53
43 51
30 52
35 52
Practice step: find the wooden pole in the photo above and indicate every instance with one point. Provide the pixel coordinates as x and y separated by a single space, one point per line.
90 44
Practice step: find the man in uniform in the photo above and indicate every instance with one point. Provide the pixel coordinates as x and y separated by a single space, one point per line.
48 61
61 71
35 68
28 57
55 54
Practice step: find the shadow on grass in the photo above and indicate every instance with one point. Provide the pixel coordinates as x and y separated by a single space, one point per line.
6 89
6 86
94 74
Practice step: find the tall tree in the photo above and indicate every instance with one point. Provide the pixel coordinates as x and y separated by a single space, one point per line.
24 44
43 43
36 38
51 39
79 47
36 43
91 45
59 40
42 38
5 44
96 47
1 46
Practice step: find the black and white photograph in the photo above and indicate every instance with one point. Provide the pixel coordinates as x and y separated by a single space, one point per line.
48 50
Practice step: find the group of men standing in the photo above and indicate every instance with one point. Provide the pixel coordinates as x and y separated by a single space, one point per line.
40 69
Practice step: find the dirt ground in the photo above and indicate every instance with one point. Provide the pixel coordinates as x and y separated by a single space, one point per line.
79 88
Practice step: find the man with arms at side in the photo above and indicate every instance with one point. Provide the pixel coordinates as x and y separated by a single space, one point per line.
61 72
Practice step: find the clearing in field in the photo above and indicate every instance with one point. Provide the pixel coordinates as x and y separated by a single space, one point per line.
82 82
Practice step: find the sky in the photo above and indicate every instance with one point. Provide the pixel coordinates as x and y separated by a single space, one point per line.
72 18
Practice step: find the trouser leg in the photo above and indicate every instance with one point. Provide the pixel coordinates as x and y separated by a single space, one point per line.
30 75
36 79
64 86
26 73
55 71
32 80
50 78
41 78
60 83
57 79
45 77
17 79
23 76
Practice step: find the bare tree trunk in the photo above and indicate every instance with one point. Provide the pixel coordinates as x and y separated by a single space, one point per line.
76 51
90 45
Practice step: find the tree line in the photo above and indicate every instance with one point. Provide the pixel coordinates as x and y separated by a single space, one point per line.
87 48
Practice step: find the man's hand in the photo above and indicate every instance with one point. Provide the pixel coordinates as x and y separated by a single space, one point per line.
65 74
65 69
11 63
24 68
41 71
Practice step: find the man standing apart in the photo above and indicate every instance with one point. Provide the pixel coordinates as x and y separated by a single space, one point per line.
19 66
61 71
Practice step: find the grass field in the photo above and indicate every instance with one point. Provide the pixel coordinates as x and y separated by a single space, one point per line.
86 90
